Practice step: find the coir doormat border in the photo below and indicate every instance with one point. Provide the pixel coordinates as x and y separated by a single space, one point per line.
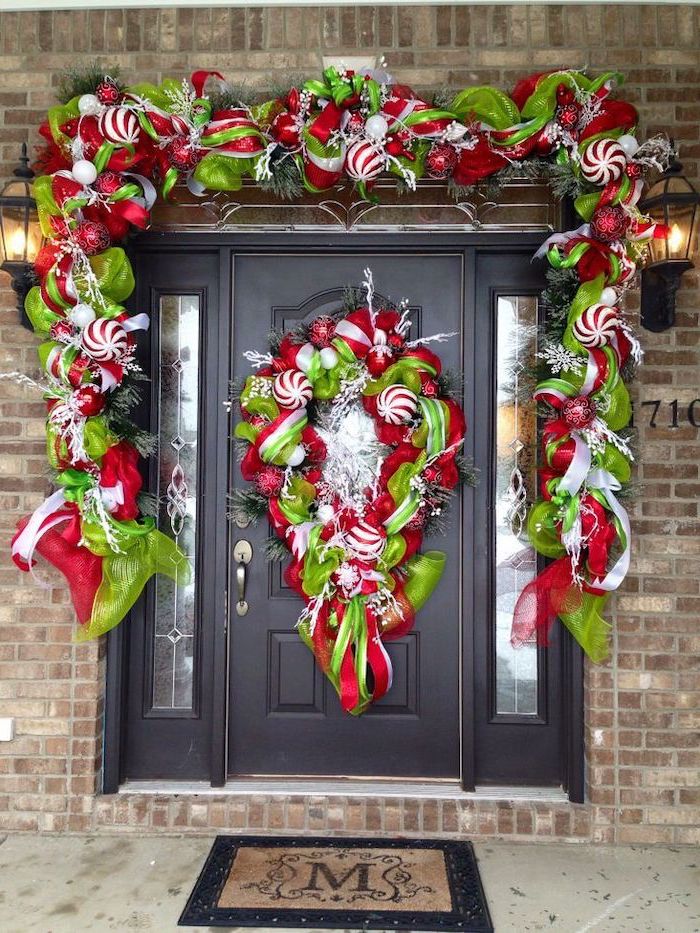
470 913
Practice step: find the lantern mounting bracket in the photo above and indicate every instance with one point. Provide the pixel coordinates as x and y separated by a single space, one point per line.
660 283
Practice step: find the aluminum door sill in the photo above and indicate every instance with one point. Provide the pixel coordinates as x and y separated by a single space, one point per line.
440 790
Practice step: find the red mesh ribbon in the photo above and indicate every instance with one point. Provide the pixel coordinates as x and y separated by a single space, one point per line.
551 594
81 568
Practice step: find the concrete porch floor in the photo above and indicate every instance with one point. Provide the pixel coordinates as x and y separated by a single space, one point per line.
73 884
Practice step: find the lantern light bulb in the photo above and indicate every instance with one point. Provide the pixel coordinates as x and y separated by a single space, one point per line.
675 239
16 244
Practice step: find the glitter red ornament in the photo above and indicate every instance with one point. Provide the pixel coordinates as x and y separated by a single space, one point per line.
633 170
355 123
108 183
321 331
107 92
609 223
416 522
89 401
396 341
579 412
568 116
269 481
61 331
565 95
92 237
429 387
181 154
440 160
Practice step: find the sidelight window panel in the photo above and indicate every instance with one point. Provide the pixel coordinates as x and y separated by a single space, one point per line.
178 413
515 488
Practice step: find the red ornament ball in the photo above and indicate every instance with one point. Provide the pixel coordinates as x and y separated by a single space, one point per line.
107 92
89 401
633 170
432 473
395 341
269 481
609 223
579 412
440 161
285 130
565 95
108 182
181 154
568 116
92 237
321 331
378 361
61 331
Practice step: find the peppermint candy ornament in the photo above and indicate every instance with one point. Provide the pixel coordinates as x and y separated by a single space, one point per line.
292 389
364 161
105 341
603 161
119 125
397 404
365 541
596 326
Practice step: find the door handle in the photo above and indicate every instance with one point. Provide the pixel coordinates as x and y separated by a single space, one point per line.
242 554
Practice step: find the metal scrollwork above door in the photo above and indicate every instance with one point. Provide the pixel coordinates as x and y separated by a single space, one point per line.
523 205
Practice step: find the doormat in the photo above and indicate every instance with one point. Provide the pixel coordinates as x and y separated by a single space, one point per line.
339 883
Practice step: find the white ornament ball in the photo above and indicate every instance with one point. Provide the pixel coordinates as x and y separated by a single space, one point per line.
608 296
376 126
380 337
328 357
119 125
603 161
596 326
629 144
88 105
296 457
84 172
325 513
104 340
397 404
292 389
365 541
82 315
364 161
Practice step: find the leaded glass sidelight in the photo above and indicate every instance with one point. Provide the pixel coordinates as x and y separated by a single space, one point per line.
515 488
178 414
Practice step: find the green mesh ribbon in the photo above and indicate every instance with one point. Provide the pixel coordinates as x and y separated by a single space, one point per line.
146 551
487 105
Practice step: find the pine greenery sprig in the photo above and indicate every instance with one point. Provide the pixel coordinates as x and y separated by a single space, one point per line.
285 182
246 502
468 473
276 549
450 384
229 96
148 503
563 181
83 79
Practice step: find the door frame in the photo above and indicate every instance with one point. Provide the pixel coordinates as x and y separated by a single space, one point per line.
571 745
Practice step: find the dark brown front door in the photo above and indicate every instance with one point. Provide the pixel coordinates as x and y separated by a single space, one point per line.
285 718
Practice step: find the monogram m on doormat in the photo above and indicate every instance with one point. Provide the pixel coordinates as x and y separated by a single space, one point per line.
339 883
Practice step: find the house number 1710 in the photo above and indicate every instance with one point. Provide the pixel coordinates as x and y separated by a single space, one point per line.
677 413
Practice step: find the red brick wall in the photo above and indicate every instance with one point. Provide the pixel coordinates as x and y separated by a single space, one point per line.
643 708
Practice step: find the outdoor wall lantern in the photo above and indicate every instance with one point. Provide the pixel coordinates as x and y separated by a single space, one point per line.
674 202
20 233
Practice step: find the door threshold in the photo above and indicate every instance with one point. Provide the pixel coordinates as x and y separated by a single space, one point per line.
443 790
